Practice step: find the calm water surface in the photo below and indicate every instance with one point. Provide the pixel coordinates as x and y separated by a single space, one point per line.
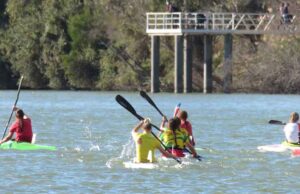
92 134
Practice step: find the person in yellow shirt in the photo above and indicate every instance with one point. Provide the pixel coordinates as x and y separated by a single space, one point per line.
146 143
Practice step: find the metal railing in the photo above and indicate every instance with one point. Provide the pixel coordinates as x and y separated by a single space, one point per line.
216 23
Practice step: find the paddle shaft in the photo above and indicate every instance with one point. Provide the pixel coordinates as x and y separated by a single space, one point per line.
276 122
145 95
18 94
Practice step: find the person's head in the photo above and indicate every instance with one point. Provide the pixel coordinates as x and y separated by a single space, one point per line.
178 122
147 125
294 117
174 123
183 115
19 114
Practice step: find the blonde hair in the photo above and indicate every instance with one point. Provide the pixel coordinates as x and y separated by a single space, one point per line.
294 117
147 124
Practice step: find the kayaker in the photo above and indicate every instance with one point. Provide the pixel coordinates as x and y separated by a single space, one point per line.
21 127
176 139
185 124
291 129
146 143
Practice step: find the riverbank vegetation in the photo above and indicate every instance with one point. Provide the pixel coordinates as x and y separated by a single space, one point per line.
102 45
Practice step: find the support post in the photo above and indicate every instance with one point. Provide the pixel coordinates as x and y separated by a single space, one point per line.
227 63
207 69
155 60
187 65
178 85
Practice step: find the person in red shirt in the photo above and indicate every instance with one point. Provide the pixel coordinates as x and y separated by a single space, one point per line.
21 127
185 124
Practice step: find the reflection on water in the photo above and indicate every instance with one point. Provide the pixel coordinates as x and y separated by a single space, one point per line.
92 133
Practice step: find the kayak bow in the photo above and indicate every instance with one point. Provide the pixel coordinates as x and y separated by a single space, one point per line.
13 145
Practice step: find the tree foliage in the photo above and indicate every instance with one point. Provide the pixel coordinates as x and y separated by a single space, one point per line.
102 44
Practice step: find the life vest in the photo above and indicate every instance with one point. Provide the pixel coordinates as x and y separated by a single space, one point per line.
169 139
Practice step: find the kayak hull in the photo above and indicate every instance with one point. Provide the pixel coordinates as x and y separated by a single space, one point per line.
134 165
13 145
284 146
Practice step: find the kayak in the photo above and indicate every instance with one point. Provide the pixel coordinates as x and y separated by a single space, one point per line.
284 146
134 165
13 145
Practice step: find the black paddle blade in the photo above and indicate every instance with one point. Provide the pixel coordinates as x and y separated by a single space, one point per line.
199 157
145 95
123 102
275 122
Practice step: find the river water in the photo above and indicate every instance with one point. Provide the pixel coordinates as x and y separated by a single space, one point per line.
92 134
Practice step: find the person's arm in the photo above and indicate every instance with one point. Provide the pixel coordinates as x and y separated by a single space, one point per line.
26 116
195 155
15 108
192 140
8 137
163 122
192 136
137 127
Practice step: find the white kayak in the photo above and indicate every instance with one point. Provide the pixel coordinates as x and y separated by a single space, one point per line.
134 165
284 146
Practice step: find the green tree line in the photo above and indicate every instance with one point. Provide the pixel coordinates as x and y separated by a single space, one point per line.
102 45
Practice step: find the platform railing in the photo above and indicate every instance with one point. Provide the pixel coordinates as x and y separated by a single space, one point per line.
165 23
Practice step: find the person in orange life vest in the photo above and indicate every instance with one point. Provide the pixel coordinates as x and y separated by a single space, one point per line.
21 127
146 143
185 124
175 138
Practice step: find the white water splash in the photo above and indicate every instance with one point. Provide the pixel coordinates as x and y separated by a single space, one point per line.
88 133
128 153
111 162
94 148
78 149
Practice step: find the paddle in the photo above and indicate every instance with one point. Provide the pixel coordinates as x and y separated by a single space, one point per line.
123 102
275 122
19 89
145 95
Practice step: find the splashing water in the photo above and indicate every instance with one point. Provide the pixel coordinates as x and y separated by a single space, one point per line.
128 153
88 133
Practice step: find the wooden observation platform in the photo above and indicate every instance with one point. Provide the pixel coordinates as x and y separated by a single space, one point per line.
183 25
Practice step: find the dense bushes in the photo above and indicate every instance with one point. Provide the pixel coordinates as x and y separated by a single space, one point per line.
93 44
